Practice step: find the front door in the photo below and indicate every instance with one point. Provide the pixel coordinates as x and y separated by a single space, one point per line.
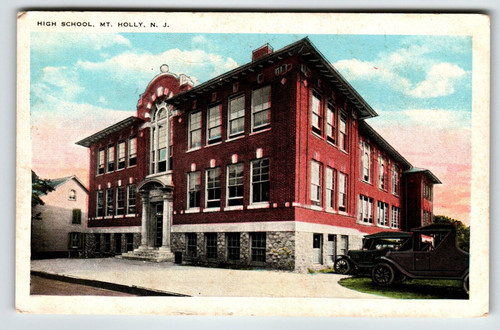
159 225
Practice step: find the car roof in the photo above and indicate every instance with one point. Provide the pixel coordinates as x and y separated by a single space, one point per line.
390 234
435 227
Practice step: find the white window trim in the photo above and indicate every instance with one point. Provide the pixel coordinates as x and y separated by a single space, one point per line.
314 185
190 146
332 189
206 189
235 207
260 127
219 106
252 203
188 207
237 135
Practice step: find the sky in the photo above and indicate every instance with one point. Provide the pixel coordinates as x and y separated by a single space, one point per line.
420 86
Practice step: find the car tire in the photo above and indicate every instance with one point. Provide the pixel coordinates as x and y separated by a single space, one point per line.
342 266
466 283
383 274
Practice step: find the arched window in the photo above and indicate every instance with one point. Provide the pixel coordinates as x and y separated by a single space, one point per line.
72 195
160 139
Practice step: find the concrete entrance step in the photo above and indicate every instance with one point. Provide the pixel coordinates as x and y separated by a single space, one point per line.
153 255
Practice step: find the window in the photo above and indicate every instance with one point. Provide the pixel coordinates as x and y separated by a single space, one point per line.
159 140
120 201
107 242
132 151
236 115
342 192
121 155
260 180
365 213
330 184
344 244
330 125
195 130
261 108
118 243
365 162
332 247
194 189
316 170
100 161
235 185
211 245
213 187
343 131
75 240
77 217
131 199
97 239
111 158
427 192
395 217
382 180
258 247
318 248
130 241
233 246
191 243
99 203
382 214
109 202
214 124
316 112
72 195
395 179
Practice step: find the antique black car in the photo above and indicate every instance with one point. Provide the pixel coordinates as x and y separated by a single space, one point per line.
374 246
434 254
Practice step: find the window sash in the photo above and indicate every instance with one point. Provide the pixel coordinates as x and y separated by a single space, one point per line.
213 187
100 161
395 216
316 112
330 184
365 213
111 158
366 162
236 115
99 203
211 245
342 192
343 131
235 185
121 155
77 217
260 180
195 130
395 180
382 214
109 202
261 105
316 182
233 246
131 199
330 124
258 247
120 201
191 244
381 175
194 182
214 124
132 151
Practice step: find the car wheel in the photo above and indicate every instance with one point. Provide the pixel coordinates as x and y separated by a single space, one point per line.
383 274
466 283
342 266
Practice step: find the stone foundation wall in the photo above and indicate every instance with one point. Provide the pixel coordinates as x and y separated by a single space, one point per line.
91 244
280 251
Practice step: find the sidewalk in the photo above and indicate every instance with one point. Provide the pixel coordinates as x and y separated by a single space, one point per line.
198 281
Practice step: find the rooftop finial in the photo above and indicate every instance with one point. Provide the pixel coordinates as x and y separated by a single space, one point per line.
164 68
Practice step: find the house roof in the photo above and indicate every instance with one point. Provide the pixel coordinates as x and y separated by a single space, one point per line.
426 172
108 131
309 52
60 181
382 143
390 234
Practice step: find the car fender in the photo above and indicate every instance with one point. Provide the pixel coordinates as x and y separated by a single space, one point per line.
394 264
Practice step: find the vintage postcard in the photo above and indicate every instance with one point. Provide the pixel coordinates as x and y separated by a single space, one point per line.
271 164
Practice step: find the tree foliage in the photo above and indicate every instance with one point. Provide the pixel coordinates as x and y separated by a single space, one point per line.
463 232
39 187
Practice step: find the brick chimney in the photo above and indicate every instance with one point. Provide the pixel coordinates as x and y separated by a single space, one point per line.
262 51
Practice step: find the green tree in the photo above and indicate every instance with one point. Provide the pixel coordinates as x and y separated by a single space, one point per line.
39 187
463 232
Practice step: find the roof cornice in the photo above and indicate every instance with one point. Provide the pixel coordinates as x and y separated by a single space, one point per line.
108 131
308 51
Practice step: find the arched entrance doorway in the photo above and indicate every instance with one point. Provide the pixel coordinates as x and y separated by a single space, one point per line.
156 223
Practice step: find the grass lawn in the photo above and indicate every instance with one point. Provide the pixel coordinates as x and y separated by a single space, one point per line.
414 289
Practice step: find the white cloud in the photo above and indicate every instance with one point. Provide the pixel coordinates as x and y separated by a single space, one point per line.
437 118
440 81
59 80
129 64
